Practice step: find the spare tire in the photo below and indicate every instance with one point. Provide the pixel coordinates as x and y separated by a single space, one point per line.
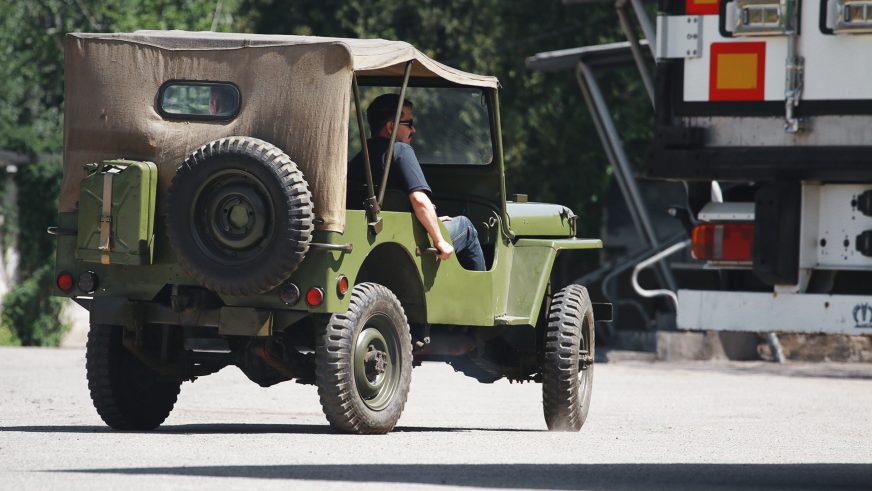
239 216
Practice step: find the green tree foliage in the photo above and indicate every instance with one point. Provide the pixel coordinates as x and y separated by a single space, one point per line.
28 311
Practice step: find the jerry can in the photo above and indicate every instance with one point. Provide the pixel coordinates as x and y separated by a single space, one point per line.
116 213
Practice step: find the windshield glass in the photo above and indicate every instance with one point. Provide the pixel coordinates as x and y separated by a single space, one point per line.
451 124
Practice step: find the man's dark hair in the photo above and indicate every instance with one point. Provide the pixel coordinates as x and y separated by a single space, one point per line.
383 109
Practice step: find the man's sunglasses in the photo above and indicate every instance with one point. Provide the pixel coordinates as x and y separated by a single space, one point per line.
408 122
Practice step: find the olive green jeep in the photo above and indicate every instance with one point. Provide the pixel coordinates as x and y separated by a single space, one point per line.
206 220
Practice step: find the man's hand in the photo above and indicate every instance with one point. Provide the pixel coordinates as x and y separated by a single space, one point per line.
445 249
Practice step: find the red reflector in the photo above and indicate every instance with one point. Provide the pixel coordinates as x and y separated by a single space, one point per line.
342 285
65 281
723 241
314 296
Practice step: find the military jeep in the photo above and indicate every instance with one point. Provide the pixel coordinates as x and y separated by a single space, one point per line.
206 220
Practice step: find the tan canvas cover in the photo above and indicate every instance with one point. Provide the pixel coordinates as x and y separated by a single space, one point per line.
296 93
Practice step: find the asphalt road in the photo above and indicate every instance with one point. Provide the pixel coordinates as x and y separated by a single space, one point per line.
651 426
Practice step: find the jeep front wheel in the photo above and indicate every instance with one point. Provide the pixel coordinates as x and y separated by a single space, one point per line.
363 362
567 361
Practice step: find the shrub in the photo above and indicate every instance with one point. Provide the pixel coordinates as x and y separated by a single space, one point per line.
30 314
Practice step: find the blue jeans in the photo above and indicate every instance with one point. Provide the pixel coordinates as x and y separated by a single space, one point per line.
464 238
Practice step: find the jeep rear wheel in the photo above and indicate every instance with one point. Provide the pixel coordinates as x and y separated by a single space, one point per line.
567 362
127 394
239 216
363 362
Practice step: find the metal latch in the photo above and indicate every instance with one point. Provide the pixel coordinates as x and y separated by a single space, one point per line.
849 16
106 219
679 36
760 17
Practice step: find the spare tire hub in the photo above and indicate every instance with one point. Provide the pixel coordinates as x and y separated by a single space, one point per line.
235 215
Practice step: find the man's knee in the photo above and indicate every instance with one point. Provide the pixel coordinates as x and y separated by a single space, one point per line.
466 224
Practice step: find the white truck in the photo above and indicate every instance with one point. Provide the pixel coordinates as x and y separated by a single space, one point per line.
763 108
771 100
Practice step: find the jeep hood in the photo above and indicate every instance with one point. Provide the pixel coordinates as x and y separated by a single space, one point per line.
540 220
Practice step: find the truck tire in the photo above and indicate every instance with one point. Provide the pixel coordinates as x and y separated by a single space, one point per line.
239 216
363 362
567 362
127 394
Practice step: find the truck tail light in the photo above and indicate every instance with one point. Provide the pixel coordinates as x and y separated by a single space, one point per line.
723 242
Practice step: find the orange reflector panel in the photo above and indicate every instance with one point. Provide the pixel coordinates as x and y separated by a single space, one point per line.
723 242
737 71
701 7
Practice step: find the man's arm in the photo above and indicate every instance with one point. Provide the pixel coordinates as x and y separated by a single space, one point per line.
426 213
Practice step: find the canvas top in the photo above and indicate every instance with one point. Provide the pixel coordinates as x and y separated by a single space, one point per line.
295 92
369 57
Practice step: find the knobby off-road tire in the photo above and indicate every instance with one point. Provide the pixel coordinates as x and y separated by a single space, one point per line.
355 397
127 394
239 216
567 365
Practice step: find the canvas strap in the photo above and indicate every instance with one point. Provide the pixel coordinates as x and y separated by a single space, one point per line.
106 218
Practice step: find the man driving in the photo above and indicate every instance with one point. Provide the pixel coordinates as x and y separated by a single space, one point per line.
406 175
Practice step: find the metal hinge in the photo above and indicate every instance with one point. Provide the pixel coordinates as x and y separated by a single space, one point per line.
679 36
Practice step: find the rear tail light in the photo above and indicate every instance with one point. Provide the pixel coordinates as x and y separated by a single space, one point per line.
315 296
723 242
88 282
342 285
289 293
65 282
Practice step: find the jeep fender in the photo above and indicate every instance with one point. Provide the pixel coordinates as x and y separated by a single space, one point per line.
391 265
532 261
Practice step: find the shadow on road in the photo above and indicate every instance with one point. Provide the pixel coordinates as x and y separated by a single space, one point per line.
824 370
234 428
548 476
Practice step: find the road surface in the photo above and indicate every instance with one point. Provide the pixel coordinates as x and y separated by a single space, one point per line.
651 426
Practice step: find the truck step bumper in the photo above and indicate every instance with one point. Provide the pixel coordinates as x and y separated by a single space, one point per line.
765 312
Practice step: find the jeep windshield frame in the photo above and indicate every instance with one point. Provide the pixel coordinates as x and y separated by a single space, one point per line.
496 165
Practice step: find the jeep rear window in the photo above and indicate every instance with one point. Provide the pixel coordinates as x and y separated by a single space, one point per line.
198 100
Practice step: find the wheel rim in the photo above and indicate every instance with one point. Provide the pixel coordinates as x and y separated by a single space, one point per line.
585 362
232 216
377 362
